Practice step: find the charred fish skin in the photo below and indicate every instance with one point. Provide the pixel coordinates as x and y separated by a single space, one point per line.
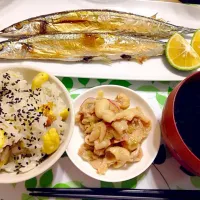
81 47
89 21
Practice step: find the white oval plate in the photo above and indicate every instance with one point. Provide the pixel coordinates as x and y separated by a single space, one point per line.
156 68
150 145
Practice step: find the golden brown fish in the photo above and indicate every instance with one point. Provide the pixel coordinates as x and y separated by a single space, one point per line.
88 21
81 47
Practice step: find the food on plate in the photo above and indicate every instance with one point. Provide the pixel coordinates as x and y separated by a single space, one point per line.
81 47
88 21
32 120
181 55
113 132
196 42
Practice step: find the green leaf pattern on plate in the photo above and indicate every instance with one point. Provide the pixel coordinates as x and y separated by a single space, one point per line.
71 184
83 81
107 185
27 197
68 82
102 80
169 89
147 88
61 185
31 183
195 180
141 176
73 96
132 183
64 155
42 198
120 82
75 184
46 179
161 99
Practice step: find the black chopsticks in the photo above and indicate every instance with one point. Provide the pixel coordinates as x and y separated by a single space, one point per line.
115 193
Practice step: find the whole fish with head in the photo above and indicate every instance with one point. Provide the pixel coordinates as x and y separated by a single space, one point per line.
81 47
88 21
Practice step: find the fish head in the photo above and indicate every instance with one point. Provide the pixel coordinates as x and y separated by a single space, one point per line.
23 28
13 50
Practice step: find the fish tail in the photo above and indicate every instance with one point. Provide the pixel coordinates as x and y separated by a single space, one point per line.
185 30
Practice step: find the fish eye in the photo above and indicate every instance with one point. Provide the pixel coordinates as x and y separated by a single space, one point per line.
18 26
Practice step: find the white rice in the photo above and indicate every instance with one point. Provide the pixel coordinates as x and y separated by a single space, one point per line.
21 120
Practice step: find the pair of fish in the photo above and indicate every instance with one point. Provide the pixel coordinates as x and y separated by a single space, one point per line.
85 35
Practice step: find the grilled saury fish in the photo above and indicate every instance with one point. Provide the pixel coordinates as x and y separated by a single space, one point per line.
88 21
81 47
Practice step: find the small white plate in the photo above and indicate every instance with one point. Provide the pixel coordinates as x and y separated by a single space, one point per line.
150 145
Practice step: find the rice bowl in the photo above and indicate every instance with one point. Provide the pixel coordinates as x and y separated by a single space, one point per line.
34 124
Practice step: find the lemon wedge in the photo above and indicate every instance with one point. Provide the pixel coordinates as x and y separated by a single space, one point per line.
181 55
195 43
